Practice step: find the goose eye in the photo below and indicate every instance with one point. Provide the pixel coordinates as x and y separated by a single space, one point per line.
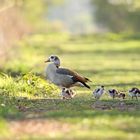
52 57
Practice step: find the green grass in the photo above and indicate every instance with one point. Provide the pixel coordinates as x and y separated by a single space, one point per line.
25 96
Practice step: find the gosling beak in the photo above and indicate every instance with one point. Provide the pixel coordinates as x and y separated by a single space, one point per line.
47 61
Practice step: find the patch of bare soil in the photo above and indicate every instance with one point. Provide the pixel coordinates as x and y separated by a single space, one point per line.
120 105
38 127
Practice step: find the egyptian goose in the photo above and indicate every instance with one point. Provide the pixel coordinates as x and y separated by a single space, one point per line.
97 93
134 92
63 77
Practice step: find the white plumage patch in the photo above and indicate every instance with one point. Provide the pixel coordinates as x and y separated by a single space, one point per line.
134 92
97 93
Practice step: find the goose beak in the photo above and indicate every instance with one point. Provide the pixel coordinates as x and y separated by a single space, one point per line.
47 61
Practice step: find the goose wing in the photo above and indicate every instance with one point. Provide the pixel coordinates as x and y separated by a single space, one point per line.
74 75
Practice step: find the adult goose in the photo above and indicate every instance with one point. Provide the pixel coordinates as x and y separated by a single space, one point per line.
63 77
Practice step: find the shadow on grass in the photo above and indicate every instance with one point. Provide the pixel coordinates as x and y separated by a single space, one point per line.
113 53
111 71
77 108
137 83
73 112
107 71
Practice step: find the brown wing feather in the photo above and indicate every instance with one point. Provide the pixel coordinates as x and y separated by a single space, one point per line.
72 73
75 75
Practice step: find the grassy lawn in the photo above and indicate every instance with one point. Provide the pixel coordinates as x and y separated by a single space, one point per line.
31 108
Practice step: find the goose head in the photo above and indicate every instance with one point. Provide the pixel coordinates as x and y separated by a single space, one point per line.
54 59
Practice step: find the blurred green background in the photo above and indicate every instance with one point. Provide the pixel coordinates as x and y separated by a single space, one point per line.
100 39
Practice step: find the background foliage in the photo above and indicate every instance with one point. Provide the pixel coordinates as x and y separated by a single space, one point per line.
118 16
31 107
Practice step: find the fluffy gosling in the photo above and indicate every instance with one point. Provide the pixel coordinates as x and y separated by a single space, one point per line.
134 92
67 93
97 93
113 93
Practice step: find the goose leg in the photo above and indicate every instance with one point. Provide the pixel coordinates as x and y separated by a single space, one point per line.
113 97
63 98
